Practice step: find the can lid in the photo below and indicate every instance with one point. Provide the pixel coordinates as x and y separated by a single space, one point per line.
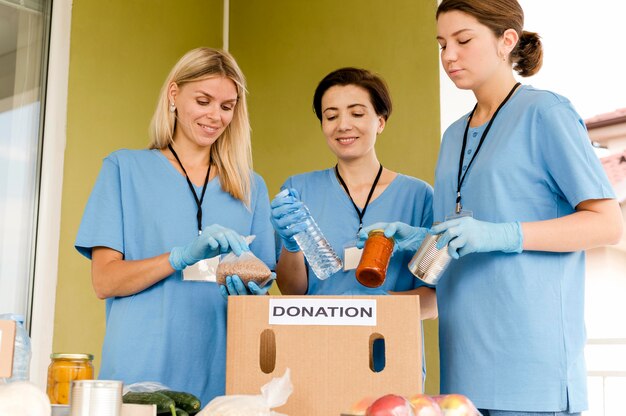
65 356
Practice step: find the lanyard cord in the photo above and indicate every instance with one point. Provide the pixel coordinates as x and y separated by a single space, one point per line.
193 191
461 176
360 213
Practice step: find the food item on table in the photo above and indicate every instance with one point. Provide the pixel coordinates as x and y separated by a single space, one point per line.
184 401
457 405
358 408
163 403
181 412
249 269
63 369
424 405
390 405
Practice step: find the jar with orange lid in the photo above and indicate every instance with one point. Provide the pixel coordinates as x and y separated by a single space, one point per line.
63 369
372 268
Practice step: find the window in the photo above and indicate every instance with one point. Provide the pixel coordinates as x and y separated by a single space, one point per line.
24 32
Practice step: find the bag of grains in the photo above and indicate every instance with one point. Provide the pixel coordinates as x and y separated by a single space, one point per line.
247 266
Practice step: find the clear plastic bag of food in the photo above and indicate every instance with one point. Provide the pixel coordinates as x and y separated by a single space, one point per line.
247 266
273 394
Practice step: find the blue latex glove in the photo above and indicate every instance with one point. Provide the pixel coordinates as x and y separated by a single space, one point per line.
406 236
234 286
467 235
214 240
287 218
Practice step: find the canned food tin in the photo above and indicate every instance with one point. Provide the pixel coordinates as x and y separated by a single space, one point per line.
429 263
63 369
96 398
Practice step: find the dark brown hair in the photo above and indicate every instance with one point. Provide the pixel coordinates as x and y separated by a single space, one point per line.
499 16
372 83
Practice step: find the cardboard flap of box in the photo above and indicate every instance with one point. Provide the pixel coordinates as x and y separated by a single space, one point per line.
7 345
327 343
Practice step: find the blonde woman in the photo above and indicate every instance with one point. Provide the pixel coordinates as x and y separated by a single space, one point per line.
156 214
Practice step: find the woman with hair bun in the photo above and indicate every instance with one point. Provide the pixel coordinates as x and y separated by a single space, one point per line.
520 195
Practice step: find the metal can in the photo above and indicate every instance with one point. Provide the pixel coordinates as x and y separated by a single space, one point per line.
63 369
429 262
96 398
372 268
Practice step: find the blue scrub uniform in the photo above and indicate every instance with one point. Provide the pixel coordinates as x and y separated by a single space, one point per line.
511 326
173 332
406 199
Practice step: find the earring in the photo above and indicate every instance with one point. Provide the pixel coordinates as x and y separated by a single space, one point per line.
172 107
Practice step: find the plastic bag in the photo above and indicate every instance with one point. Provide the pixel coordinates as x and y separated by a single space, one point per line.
144 387
273 394
24 399
247 266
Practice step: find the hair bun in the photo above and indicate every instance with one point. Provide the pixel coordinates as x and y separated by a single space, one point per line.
528 54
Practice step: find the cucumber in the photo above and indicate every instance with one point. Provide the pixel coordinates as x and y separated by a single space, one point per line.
163 403
181 412
184 401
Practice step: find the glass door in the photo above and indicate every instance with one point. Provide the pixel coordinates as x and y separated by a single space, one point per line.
24 34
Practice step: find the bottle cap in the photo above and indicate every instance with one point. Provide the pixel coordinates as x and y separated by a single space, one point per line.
382 231
57 355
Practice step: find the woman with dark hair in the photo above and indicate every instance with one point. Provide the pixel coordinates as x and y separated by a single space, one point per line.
520 194
353 106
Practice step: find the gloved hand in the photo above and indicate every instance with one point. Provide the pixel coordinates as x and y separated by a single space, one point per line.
406 236
287 217
214 240
467 235
234 286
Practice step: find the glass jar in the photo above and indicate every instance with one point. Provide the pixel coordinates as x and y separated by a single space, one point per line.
63 369
372 268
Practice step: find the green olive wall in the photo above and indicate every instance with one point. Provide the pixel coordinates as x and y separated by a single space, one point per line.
121 51
286 47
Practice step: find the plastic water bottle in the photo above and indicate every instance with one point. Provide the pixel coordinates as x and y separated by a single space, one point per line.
22 352
317 250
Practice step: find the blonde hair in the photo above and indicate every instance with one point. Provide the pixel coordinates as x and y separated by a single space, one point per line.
231 154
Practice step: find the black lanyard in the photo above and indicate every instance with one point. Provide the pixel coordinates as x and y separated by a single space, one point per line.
461 175
193 191
360 213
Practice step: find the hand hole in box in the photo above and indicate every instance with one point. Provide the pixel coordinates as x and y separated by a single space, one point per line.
267 351
377 353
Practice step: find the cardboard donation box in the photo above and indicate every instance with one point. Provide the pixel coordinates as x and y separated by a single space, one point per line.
328 343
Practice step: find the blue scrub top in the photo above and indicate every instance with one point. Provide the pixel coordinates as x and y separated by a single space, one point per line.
511 326
406 199
173 332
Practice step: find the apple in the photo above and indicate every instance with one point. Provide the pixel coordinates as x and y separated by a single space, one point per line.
424 405
390 405
457 405
359 407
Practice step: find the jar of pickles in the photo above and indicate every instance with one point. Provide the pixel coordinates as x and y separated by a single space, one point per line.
372 268
63 369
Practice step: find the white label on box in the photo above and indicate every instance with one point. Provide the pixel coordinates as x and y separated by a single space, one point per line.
340 312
